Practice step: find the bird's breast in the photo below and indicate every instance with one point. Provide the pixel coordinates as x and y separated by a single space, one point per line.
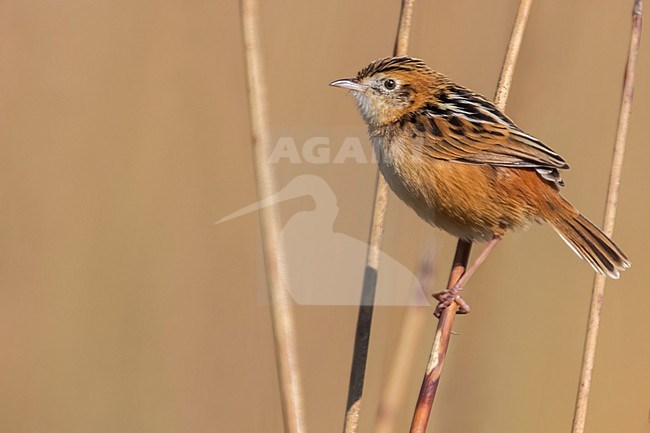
467 200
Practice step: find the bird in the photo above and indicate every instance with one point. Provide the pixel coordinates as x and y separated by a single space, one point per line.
465 167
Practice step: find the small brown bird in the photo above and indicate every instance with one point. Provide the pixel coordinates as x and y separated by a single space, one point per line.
465 167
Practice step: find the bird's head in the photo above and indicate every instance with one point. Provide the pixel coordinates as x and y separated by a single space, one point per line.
389 88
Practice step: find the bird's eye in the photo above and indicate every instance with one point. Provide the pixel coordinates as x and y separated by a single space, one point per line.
389 84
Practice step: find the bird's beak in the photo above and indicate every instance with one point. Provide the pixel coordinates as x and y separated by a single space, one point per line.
350 84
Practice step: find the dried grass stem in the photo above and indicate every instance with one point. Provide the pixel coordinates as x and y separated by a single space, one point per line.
284 333
364 320
598 292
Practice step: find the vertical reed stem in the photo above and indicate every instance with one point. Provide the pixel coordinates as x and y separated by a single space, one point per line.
414 322
598 293
446 321
282 320
440 345
364 320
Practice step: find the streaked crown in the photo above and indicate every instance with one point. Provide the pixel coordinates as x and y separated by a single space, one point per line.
393 64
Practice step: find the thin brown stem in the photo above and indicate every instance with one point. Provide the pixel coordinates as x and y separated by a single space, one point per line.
446 321
440 345
282 319
364 320
598 293
509 63
414 322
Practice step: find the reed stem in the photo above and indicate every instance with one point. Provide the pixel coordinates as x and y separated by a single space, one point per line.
413 325
282 319
598 292
364 320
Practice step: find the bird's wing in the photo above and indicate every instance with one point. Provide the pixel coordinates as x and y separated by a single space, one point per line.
467 128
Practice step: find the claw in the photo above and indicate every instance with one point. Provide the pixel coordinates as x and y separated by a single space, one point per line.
446 297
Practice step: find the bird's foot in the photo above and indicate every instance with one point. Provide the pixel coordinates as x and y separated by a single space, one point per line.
447 297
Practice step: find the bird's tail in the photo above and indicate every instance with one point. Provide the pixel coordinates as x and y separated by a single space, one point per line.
586 240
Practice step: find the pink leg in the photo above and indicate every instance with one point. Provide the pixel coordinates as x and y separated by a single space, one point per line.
448 296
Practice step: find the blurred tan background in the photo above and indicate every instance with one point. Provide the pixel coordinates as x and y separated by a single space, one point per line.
124 137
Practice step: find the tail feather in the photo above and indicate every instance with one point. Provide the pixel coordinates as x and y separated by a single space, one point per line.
588 242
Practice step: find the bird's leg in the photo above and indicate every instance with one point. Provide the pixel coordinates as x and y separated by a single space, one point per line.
446 297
